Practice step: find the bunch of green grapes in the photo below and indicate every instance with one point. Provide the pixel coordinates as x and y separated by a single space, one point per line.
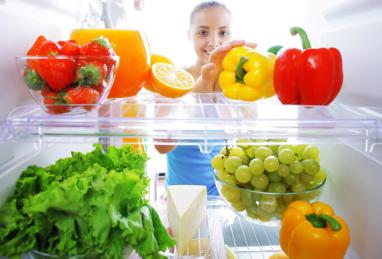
269 177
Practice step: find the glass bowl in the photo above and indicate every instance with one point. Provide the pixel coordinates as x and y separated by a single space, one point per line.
68 84
261 206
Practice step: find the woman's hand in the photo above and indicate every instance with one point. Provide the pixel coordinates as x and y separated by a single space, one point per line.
208 80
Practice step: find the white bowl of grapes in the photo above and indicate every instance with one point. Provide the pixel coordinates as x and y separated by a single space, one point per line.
258 181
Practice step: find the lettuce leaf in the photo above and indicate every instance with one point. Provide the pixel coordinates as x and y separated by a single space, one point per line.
90 203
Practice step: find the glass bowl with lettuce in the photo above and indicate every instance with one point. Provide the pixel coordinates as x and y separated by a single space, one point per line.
86 204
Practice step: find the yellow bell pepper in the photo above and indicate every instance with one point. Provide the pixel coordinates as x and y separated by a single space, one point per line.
313 231
247 74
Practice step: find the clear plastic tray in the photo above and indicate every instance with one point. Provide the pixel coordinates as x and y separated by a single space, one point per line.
198 119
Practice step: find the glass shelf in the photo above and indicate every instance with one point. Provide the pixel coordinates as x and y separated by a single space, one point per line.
198 119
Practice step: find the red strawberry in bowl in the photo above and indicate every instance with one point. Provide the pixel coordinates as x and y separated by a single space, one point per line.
57 71
99 47
55 102
70 48
34 51
91 72
82 95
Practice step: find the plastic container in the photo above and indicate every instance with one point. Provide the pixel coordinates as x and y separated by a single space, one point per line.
57 91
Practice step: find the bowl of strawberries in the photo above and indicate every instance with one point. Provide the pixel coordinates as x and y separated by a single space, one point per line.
66 77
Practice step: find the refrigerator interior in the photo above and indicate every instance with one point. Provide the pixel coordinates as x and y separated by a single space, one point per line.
349 139
351 147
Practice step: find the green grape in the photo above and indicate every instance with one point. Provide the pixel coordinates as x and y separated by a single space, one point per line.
274 148
280 210
238 206
285 146
274 177
232 163
229 179
263 215
296 167
250 151
309 196
245 159
305 178
299 149
320 176
246 198
310 185
263 152
251 212
260 181
287 198
240 143
283 170
277 187
217 162
230 193
222 173
257 196
286 156
256 166
271 164
310 152
243 174
298 187
268 203
311 166
236 151
291 179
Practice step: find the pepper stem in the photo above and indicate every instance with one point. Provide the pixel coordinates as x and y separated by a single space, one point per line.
240 72
322 220
304 37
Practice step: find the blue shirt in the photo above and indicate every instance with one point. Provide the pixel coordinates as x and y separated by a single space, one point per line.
187 165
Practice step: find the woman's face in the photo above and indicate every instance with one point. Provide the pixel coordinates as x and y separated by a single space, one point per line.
210 27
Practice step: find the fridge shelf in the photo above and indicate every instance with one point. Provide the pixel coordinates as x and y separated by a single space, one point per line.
198 119
246 239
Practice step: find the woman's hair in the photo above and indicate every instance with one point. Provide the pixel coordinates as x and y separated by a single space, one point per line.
204 5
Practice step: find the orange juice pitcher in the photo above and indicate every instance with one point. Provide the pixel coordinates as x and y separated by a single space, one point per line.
119 21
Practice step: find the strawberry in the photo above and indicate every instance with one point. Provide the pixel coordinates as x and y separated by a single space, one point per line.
91 73
45 91
34 51
61 43
100 47
52 98
70 48
82 95
58 73
100 88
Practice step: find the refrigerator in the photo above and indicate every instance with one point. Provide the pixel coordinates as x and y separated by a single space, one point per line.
348 132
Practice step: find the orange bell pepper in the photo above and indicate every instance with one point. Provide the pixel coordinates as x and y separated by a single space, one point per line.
313 231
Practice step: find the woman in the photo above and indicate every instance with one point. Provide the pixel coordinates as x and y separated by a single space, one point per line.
210 34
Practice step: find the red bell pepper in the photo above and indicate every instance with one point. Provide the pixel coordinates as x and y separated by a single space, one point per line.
309 76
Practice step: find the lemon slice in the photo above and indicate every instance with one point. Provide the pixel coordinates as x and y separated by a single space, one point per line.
171 81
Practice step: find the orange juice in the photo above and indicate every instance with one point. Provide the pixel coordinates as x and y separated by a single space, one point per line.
134 63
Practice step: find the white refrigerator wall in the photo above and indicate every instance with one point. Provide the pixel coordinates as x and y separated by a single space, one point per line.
354 27
21 21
